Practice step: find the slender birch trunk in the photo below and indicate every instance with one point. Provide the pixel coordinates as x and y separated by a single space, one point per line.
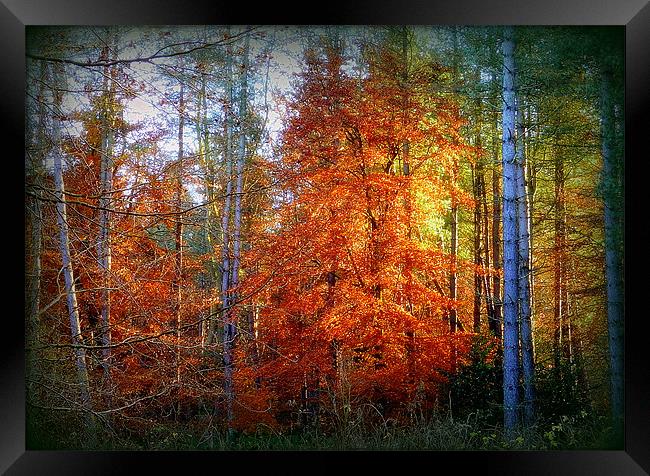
232 314
453 276
106 186
239 174
207 157
178 232
510 291
68 273
559 309
200 127
228 334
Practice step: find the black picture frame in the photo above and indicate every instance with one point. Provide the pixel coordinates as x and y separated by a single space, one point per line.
633 14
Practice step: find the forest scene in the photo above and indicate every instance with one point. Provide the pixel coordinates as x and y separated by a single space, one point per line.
324 237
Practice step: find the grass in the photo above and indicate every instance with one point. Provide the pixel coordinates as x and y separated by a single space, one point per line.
438 433
358 432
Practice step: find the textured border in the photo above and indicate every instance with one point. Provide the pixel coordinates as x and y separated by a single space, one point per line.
634 14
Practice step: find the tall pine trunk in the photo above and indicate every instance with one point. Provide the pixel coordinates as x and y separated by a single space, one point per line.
510 251
478 183
612 181
523 281
496 323
34 220
497 300
486 262
559 266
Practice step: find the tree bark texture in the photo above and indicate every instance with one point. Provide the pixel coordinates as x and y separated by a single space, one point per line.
106 186
68 272
612 181
523 282
510 252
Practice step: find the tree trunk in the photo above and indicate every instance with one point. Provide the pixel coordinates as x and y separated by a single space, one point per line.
524 259
239 174
531 184
178 239
477 184
228 273
559 285
106 186
510 291
486 261
232 314
453 275
203 153
495 323
497 298
34 219
613 193
409 332
207 156
453 285
68 273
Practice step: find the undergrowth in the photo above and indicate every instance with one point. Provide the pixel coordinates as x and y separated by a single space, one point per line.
440 432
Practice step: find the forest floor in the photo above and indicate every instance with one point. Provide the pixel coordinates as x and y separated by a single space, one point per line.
440 432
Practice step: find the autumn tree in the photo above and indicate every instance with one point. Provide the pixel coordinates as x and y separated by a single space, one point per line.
347 282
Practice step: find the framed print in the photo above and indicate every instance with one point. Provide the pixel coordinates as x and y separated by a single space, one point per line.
382 232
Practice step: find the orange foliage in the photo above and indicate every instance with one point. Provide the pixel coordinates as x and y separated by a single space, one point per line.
142 318
349 300
344 286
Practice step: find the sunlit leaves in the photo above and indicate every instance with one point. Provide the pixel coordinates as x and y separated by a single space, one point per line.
346 282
